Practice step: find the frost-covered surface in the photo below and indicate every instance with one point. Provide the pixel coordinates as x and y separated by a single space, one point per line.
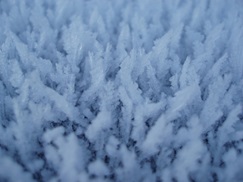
121 90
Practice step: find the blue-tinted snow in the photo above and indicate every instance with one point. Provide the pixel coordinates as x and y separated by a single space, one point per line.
123 90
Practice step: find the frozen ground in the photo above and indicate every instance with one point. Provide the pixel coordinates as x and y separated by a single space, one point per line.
121 90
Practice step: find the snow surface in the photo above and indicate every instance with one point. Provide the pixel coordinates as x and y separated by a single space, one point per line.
121 90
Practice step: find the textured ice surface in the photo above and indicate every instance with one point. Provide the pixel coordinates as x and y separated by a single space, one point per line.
121 90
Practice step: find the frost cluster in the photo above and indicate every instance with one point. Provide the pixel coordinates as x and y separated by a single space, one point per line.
121 90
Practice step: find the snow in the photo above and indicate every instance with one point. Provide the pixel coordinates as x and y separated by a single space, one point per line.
102 90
